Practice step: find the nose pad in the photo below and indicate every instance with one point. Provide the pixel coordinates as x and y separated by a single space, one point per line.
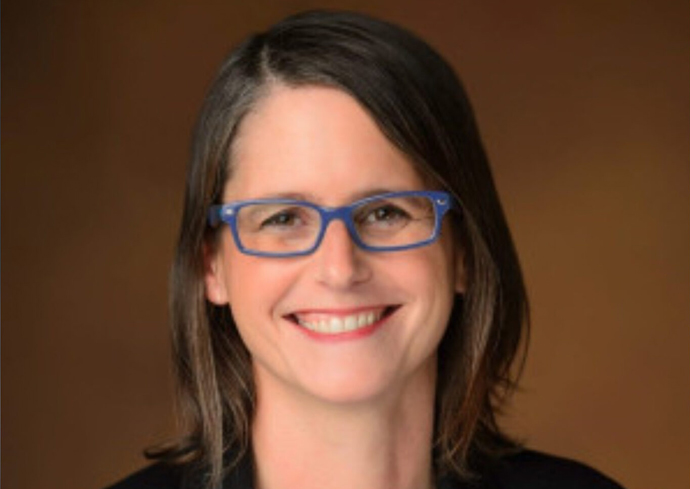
339 261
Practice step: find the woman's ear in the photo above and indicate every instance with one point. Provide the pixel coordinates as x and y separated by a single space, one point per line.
460 275
214 275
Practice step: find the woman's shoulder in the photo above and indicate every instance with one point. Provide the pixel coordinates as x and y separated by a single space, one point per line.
162 475
536 470
156 476
529 469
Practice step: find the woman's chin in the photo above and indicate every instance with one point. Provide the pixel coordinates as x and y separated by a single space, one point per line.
343 388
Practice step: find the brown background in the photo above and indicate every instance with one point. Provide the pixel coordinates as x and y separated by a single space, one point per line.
585 110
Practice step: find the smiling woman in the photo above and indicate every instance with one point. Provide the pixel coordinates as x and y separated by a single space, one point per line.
408 295
347 301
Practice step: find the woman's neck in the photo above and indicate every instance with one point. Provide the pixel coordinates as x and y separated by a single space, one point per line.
384 443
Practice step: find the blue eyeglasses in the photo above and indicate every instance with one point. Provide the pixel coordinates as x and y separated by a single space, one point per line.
284 227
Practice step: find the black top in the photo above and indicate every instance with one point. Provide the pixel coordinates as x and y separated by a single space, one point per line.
524 470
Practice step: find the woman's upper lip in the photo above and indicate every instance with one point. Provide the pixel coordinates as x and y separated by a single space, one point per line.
339 311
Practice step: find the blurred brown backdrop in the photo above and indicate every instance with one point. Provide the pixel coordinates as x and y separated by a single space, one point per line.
585 110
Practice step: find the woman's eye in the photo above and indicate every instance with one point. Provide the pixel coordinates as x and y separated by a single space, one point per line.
281 219
386 214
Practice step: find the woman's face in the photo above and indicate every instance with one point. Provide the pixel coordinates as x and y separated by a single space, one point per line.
318 144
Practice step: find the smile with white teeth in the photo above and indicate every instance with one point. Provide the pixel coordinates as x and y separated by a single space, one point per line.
327 324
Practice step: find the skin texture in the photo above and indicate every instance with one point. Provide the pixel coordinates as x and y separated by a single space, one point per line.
361 404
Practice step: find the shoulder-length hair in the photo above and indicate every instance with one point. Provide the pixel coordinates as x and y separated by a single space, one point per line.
420 106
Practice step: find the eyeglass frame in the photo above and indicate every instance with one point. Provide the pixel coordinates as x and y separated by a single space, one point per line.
226 213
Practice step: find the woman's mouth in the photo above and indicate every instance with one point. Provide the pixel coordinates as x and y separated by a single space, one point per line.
339 323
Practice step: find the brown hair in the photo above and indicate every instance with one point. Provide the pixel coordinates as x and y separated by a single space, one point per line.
419 104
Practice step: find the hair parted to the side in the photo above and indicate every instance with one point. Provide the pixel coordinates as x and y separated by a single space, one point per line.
420 106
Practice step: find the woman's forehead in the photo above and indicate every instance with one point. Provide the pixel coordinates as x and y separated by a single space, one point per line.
314 139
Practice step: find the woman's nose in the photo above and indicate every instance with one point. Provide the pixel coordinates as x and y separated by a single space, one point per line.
339 262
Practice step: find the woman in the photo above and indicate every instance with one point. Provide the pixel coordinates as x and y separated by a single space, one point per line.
347 302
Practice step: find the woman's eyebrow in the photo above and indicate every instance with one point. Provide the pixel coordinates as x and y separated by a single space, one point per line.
287 195
376 191
310 197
